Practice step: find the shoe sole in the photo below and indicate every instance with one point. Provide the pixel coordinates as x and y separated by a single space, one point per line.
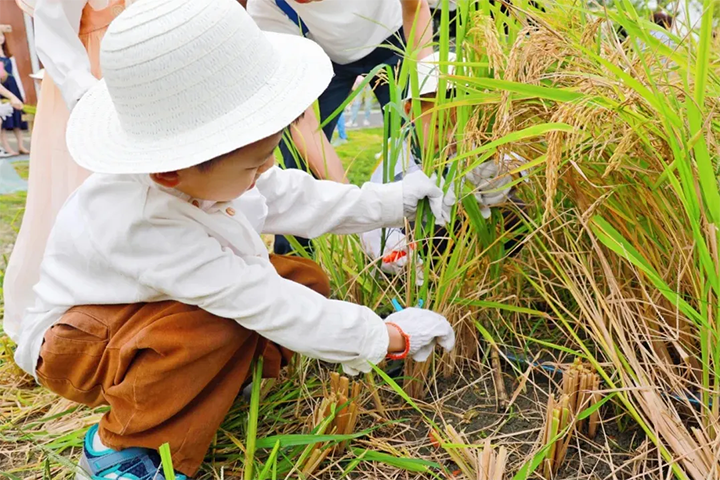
82 470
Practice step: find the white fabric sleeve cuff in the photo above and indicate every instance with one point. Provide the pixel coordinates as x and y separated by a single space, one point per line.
378 342
75 86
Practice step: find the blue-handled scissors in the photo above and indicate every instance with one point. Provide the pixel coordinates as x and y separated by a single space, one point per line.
398 307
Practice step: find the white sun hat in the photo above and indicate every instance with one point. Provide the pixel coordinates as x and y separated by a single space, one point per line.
186 81
428 70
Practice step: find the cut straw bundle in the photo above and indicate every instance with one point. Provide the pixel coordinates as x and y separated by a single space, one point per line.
559 420
476 463
580 390
582 386
337 414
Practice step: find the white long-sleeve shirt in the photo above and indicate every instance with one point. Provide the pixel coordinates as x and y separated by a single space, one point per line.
57 23
122 239
347 30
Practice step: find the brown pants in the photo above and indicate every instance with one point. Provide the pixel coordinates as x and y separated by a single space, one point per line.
170 372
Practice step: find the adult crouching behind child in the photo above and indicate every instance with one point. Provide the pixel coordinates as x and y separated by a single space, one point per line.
156 291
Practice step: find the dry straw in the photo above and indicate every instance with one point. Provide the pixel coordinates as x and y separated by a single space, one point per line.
476 463
337 414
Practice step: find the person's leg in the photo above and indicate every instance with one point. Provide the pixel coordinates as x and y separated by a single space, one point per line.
170 372
5 144
342 134
20 141
355 110
335 94
368 99
387 56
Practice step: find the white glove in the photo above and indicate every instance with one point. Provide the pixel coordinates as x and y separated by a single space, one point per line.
424 328
395 255
417 186
450 198
5 110
491 187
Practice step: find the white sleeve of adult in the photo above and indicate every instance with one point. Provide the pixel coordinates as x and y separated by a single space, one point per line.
179 260
300 205
57 23
270 18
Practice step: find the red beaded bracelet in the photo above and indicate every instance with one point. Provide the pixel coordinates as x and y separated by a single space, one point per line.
406 337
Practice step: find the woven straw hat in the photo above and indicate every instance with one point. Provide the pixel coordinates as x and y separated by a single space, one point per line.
186 81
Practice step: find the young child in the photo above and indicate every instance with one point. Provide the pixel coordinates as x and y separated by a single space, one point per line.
490 181
156 290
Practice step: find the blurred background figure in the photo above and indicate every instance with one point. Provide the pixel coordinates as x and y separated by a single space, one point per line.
341 132
67 38
365 97
9 78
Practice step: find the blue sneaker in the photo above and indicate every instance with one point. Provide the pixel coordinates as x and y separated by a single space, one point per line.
128 464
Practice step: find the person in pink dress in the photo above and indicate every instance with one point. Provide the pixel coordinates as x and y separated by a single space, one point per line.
68 35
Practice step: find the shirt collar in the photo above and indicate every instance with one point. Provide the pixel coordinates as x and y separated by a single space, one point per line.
205 205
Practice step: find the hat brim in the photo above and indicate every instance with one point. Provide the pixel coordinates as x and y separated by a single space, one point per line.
97 141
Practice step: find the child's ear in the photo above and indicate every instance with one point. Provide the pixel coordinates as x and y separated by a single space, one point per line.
166 179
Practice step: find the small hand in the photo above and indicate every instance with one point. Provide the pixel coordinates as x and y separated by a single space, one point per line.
395 261
416 187
16 103
422 329
491 185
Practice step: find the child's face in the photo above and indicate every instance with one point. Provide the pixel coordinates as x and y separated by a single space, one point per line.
424 123
228 177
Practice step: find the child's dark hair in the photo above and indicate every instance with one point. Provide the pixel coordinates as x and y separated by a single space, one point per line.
209 164
663 19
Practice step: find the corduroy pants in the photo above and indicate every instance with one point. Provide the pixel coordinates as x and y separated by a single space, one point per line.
170 372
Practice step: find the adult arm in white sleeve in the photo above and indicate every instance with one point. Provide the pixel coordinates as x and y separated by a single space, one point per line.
57 23
300 205
178 259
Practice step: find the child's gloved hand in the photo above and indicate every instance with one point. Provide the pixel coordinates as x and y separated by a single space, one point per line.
395 260
417 186
422 329
393 253
491 186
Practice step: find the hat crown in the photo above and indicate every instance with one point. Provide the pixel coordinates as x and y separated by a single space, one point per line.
172 65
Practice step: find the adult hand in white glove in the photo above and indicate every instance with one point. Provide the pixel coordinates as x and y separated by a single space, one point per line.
5 110
417 186
422 329
491 186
